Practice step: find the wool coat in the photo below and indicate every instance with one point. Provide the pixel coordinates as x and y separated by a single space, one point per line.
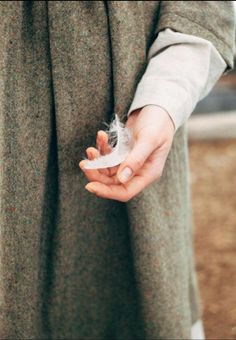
72 265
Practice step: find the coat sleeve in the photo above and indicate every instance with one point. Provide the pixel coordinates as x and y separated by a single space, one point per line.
211 20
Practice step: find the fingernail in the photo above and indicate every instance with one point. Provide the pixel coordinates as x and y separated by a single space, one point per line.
90 188
125 174
81 163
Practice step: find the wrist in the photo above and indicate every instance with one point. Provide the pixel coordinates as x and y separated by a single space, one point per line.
166 113
159 109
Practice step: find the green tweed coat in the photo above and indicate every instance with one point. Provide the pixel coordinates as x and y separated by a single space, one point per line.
74 266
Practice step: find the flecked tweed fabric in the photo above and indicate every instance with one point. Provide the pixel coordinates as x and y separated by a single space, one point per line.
74 266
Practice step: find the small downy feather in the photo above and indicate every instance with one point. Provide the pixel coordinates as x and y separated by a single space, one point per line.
121 142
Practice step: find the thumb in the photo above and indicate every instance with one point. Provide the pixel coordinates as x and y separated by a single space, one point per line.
134 161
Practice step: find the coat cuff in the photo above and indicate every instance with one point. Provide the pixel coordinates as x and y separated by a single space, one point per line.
177 21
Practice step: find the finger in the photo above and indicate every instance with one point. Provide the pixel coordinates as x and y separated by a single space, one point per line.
99 140
95 175
120 192
150 172
113 171
116 192
104 148
135 160
92 153
102 142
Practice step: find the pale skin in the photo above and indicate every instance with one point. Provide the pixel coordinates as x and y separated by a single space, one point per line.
153 132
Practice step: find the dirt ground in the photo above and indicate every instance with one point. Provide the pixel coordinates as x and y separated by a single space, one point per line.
213 180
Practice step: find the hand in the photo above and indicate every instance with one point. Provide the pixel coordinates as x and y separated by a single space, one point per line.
153 132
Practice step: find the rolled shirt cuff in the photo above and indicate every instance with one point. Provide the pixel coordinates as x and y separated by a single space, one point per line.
173 99
181 70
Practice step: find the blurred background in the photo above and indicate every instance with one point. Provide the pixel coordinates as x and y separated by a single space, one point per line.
212 150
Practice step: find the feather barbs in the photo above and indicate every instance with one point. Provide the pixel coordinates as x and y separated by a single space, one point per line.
121 142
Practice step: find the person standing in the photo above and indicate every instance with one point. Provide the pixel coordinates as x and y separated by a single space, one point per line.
72 265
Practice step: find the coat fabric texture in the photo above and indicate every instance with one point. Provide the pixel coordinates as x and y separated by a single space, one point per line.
74 266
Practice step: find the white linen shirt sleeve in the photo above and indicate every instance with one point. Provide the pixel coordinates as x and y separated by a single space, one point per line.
182 69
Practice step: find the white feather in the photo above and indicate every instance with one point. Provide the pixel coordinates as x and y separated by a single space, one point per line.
123 137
